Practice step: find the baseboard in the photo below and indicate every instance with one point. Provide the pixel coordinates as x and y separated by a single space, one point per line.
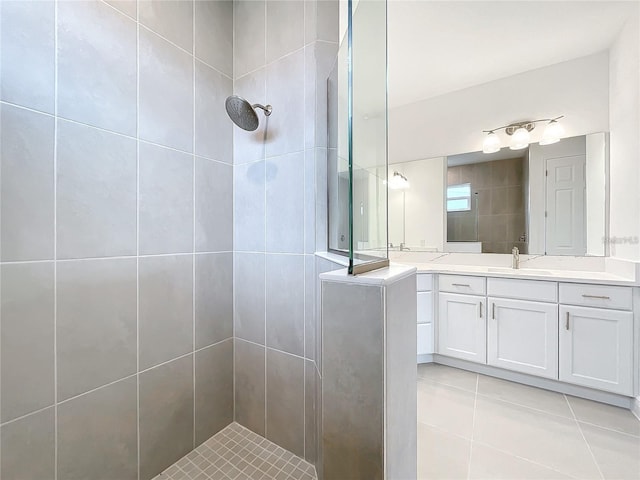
544 383
426 358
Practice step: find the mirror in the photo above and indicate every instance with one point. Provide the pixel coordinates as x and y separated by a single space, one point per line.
544 199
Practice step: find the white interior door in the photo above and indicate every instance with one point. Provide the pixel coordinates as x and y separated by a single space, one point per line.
565 212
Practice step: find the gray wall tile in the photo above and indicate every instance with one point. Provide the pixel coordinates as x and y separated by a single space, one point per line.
312 385
249 207
249 385
97 78
310 278
166 93
214 298
285 90
166 415
26 191
96 323
96 192
165 319
128 7
28 447
285 203
214 34
249 291
352 329
285 28
214 206
285 401
250 146
285 303
165 200
172 19
97 434
27 338
213 132
310 201
27 53
327 20
248 47
214 389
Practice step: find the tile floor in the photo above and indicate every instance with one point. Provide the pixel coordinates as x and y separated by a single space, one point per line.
239 454
477 427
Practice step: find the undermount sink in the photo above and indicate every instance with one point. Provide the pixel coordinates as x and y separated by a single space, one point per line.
523 271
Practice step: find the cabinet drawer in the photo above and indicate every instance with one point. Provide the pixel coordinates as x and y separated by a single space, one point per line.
425 307
601 296
425 282
523 289
462 284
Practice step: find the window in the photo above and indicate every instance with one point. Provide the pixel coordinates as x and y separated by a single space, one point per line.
459 197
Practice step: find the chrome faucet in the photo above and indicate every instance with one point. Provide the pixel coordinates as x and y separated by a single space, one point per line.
516 258
403 248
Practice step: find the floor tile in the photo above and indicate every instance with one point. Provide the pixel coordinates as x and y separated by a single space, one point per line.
617 454
441 454
606 416
489 463
550 440
550 402
446 408
238 453
448 376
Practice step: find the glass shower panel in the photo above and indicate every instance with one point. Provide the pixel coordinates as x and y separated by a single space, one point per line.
368 135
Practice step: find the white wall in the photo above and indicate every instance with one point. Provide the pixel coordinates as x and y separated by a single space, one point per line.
424 218
625 139
453 123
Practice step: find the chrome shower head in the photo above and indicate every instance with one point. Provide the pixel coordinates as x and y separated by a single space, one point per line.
243 114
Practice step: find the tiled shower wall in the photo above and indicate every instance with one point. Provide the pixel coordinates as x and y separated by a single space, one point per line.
283 52
116 235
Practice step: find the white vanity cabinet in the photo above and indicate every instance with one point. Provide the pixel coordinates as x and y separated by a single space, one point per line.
425 315
522 326
462 327
596 344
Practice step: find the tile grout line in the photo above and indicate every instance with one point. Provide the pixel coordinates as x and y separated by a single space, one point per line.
473 425
118 257
55 239
193 258
138 465
575 418
113 132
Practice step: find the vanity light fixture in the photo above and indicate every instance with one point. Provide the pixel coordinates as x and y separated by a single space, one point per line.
520 134
398 182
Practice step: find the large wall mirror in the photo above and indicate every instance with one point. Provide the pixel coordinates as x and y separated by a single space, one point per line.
459 73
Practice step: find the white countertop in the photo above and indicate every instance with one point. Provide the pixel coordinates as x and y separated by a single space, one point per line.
557 269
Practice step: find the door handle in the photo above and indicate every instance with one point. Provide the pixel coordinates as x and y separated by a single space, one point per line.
493 311
480 309
566 325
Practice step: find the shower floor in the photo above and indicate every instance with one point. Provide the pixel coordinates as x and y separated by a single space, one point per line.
237 453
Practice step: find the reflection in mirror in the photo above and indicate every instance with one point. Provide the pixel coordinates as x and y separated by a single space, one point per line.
545 199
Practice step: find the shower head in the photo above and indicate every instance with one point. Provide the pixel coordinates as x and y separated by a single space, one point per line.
243 114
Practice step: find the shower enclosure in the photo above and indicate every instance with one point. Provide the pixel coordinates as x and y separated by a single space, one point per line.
358 163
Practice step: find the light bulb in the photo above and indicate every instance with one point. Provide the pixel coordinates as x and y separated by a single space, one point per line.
491 143
398 182
553 132
520 139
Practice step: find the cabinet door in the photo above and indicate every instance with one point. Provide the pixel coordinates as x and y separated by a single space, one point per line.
596 348
425 338
425 307
462 327
523 336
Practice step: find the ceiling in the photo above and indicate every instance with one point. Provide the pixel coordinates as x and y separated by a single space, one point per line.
436 47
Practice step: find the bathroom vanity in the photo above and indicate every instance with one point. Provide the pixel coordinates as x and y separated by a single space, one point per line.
571 331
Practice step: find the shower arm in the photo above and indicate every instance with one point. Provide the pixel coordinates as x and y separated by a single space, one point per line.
267 110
